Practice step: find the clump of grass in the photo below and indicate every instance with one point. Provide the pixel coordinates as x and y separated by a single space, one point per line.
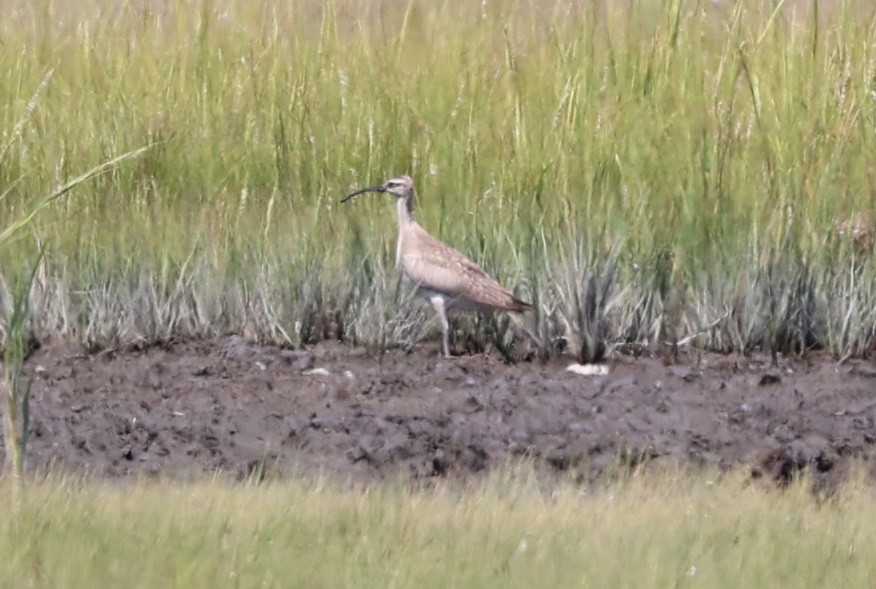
385 314
709 151
18 342
584 299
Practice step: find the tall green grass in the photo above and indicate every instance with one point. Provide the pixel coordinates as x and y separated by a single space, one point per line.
654 531
641 172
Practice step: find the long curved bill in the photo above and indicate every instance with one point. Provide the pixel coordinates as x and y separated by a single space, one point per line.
358 192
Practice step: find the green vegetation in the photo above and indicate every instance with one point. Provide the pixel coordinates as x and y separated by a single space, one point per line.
655 531
639 172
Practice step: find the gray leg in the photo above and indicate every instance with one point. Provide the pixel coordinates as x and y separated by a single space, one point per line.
438 302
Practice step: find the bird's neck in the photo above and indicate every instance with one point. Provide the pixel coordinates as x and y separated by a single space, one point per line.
404 211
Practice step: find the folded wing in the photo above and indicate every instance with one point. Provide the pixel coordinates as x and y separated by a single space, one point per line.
435 266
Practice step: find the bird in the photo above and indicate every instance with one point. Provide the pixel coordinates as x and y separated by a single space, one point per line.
439 273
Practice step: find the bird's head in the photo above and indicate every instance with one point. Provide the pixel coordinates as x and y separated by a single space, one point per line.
401 187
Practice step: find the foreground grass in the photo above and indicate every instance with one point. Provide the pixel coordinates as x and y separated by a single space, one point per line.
647 532
639 172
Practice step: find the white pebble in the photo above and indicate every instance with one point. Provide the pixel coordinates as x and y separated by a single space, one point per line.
588 369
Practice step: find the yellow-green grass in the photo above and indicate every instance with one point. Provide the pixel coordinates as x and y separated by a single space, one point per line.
639 170
647 531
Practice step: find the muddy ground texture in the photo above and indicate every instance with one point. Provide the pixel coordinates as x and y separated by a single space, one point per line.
232 406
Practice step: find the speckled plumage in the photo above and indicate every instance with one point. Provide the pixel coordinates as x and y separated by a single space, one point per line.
434 267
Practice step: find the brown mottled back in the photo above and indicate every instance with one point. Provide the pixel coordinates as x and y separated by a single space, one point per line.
432 265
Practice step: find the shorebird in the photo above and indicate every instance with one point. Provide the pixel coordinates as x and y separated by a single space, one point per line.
439 273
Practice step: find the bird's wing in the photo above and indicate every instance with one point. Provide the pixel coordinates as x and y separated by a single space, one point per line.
432 264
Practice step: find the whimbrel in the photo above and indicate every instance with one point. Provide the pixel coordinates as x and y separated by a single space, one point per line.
439 273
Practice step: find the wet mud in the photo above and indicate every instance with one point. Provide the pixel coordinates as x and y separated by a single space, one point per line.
231 406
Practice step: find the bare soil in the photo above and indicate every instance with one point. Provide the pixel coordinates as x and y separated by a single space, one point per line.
232 406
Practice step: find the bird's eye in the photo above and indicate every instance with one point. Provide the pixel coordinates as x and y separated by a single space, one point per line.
391 184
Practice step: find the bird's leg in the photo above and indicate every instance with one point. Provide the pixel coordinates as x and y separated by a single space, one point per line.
438 303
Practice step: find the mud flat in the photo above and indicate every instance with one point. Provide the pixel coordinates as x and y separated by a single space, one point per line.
239 408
